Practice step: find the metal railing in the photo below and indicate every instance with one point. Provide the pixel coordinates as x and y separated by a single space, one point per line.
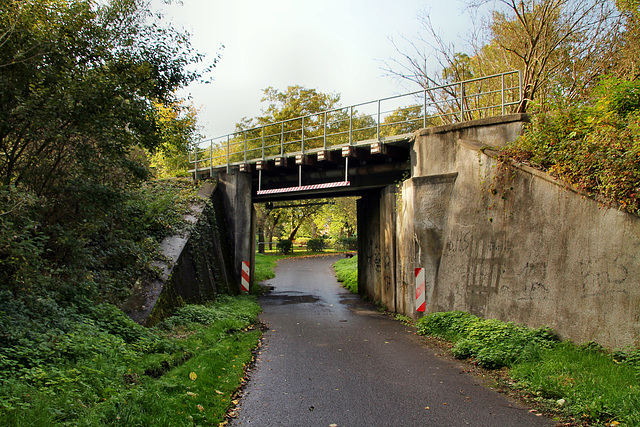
381 120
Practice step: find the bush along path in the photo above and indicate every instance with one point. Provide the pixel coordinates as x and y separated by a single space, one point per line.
112 371
578 384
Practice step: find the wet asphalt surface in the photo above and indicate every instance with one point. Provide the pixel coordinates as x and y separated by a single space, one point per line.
329 358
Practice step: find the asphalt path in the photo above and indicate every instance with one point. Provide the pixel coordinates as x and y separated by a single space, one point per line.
329 358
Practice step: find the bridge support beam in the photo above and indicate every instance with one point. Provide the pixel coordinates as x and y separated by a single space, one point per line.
236 188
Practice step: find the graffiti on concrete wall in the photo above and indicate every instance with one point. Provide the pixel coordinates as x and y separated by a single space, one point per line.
485 257
534 281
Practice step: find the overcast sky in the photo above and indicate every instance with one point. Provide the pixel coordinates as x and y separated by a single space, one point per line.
330 45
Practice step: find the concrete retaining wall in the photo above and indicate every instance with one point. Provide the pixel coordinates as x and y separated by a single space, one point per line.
506 243
199 264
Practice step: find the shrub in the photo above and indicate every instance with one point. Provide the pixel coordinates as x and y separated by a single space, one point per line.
285 247
315 245
347 243
491 342
593 147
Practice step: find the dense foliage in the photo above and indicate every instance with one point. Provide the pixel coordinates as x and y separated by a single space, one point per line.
54 278
315 245
490 342
87 95
107 370
594 146
285 247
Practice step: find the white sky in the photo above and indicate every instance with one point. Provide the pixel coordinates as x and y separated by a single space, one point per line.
330 45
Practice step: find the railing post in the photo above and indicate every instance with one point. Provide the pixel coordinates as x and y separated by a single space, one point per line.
245 147
461 101
211 159
324 135
195 173
351 125
521 89
282 140
228 150
302 139
502 94
263 142
424 113
378 123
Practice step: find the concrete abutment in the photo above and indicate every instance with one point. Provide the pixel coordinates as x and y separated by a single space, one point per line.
500 242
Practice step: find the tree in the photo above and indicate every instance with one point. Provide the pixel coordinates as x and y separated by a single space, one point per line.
338 219
79 81
556 43
628 55
560 46
267 220
177 132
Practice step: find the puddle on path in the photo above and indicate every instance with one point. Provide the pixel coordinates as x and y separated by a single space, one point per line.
289 298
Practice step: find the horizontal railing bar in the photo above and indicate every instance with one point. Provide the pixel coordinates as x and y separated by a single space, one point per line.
451 102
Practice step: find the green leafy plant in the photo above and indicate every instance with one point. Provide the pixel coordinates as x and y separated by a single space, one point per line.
593 147
492 343
315 245
99 373
347 243
285 247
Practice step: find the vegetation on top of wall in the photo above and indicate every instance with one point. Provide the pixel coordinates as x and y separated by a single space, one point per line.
594 146
582 384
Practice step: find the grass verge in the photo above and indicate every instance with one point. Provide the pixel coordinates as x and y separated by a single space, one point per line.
580 385
347 273
184 372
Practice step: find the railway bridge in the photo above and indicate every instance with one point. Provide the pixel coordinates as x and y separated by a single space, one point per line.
442 223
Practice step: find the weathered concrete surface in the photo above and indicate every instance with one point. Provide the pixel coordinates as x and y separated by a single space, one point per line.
507 243
197 264
236 188
329 358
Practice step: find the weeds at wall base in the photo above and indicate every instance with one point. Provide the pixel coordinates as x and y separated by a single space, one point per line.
579 385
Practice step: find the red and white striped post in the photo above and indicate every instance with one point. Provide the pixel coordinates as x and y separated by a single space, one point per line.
420 290
244 285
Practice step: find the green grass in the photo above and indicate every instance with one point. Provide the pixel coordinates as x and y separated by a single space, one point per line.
265 267
347 273
102 379
585 384
594 387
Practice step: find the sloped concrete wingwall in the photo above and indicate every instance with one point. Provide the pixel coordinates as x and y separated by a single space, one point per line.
198 265
511 243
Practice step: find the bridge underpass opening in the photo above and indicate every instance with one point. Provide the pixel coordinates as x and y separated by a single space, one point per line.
359 209
312 226
308 183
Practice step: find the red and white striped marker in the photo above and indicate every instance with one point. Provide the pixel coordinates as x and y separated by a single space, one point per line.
420 291
305 188
244 286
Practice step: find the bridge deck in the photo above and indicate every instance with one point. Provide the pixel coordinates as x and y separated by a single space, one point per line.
327 149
